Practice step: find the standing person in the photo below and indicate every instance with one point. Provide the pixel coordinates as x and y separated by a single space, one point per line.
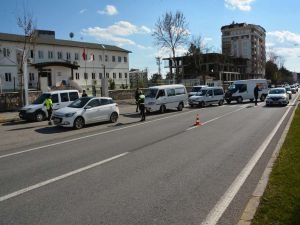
256 89
137 94
142 106
84 94
48 104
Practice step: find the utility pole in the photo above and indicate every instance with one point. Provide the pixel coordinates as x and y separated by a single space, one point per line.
158 62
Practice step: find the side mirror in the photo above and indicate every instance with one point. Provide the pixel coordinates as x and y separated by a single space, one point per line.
88 107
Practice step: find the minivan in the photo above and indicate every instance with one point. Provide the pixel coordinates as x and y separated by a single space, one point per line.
196 89
37 111
163 97
208 96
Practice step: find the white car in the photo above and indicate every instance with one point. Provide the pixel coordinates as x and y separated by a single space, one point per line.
86 110
277 96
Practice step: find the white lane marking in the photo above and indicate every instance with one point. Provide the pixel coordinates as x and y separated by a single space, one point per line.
44 183
216 118
218 210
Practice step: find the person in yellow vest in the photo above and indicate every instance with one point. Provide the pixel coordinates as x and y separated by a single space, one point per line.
142 105
48 104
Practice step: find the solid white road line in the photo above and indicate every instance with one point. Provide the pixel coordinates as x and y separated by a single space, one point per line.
44 183
218 210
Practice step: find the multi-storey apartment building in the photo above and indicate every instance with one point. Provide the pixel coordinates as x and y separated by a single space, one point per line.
246 41
54 61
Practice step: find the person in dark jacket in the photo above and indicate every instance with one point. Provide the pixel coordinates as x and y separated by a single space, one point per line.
256 90
84 94
142 106
137 95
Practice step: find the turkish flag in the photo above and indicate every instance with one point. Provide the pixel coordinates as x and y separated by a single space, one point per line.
84 55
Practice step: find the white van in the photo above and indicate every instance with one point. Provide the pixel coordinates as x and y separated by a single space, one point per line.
208 96
241 90
37 111
163 97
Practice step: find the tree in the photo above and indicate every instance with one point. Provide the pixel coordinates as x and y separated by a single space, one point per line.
27 25
171 31
112 84
156 79
195 54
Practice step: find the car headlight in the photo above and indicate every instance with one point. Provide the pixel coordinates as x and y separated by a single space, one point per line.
70 114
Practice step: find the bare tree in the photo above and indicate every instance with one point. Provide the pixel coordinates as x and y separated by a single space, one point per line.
27 25
171 31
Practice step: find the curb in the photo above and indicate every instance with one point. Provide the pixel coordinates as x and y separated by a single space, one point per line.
253 203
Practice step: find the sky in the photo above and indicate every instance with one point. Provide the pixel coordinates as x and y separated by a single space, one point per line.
129 24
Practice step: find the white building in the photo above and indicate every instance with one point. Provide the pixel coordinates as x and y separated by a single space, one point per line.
52 62
246 41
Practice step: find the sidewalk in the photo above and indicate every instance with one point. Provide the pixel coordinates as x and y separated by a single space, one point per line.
125 106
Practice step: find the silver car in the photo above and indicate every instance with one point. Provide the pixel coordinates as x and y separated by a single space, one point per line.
277 96
86 110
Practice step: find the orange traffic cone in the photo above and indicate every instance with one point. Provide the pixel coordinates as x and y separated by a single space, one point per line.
197 123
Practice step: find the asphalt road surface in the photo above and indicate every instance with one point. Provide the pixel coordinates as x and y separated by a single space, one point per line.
161 171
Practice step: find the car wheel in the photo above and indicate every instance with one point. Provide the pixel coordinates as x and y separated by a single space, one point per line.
221 102
78 123
251 99
202 104
114 117
239 100
180 107
192 105
39 116
162 109
262 98
228 101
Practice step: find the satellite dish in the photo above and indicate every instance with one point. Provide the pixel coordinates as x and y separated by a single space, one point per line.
71 35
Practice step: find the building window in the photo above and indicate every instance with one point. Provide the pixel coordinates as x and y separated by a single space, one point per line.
93 76
113 58
120 75
106 58
8 77
76 57
32 54
125 59
114 75
31 76
59 55
50 55
126 75
41 54
86 76
119 59
68 56
77 76
100 75
107 75
6 52
100 58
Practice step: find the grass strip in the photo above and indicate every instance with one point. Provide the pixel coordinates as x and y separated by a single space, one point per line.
280 204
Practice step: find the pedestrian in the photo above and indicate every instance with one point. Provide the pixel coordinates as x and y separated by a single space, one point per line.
84 94
48 104
137 94
256 89
142 106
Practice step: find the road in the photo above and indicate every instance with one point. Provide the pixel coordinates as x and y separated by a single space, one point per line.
162 171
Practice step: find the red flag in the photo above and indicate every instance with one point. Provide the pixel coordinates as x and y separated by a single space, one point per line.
84 55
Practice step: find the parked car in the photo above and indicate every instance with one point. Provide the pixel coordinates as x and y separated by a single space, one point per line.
37 111
196 89
86 110
277 96
208 96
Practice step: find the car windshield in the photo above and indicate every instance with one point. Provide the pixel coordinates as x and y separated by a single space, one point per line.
232 88
41 99
196 89
202 93
151 93
288 89
79 103
277 91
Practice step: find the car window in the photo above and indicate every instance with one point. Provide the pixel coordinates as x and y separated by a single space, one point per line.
73 96
209 92
161 93
171 92
105 101
64 97
54 98
218 92
94 103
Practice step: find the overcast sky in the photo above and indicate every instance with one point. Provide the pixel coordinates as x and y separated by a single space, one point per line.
129 23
